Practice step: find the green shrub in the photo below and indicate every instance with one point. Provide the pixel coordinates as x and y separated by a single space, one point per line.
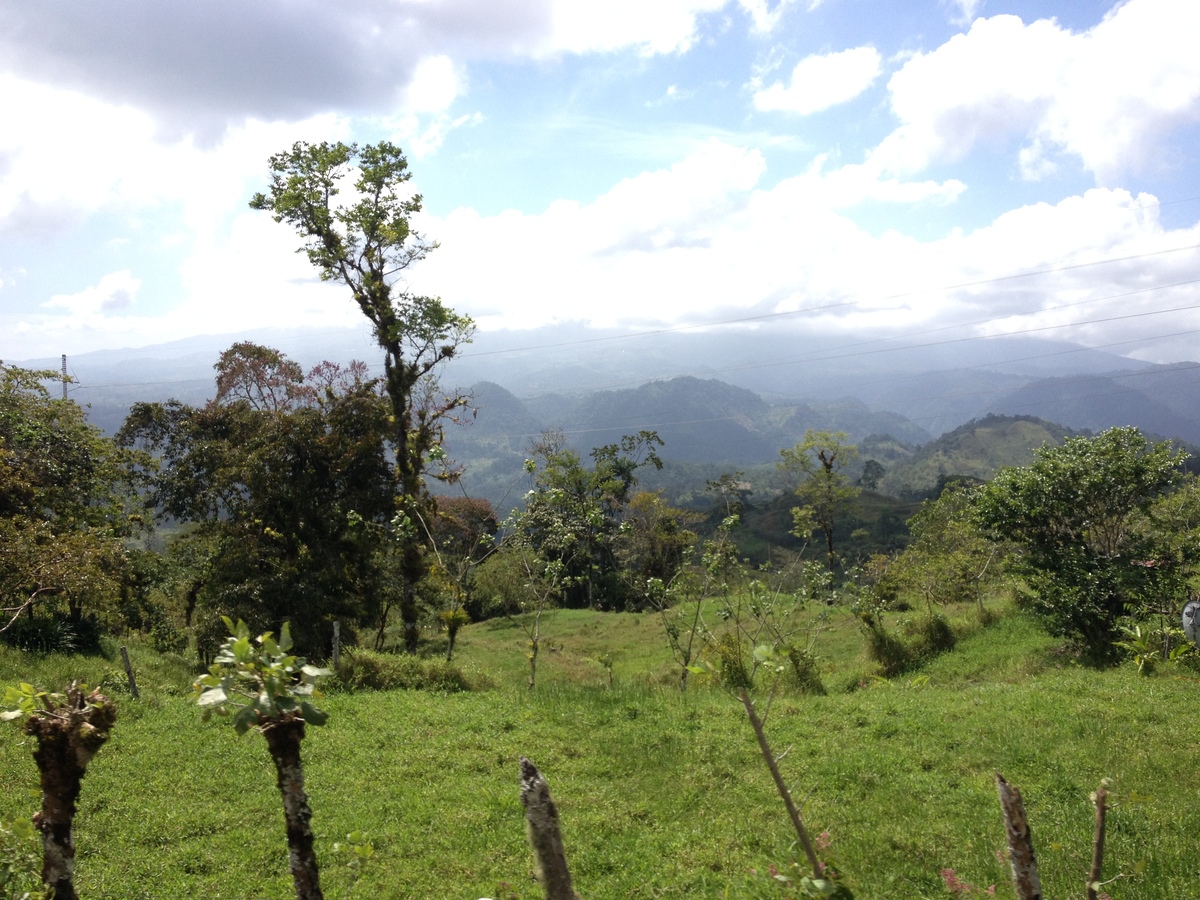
806 674
20 861
360 670
885 648
732 657
166 637
933 636
41 634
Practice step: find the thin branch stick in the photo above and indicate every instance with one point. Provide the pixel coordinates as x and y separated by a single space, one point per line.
17 610
780 786
1027 884
1100 799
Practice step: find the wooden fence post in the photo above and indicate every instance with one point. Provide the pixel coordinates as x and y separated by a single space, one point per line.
1020 842
133 691
541 820
1100 799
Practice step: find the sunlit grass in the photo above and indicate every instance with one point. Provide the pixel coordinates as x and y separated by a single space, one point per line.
661 794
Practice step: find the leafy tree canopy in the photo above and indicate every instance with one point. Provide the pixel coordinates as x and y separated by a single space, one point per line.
817 467
1081 515
573 513
292 499
63 513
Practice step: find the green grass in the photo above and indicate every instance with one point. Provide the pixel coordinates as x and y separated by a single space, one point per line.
660 794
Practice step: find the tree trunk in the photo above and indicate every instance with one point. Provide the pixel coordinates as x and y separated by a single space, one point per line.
545 837
283 740
68 737
1026 882
412 570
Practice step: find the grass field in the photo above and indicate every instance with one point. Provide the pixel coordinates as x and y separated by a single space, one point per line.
661 795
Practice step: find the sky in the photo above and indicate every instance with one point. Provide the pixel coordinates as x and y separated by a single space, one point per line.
968 168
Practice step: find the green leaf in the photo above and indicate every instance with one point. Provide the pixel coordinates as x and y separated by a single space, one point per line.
245 719
312 715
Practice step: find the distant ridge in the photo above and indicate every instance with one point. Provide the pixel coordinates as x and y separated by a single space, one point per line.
975 450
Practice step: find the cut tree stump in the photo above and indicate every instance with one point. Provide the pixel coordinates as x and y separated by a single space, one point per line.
1021 858
545 837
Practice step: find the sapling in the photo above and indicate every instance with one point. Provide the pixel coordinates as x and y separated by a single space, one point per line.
69 729
261 686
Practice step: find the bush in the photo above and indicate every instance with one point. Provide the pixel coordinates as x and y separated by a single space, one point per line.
367 670
41 634
167 638
20 861
933 635
732 657
806 674
885 648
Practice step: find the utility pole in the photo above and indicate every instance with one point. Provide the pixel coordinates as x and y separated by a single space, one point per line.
64 375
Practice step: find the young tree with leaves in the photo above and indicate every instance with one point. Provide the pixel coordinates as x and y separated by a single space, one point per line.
573 513
949 558
367 244
260 685
817 465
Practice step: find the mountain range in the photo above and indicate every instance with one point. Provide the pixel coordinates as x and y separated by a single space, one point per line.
720 400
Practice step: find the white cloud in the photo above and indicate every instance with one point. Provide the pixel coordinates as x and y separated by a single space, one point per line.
704 240
763 18
127 166
819 82
1102 96
115 292
435 84
664 26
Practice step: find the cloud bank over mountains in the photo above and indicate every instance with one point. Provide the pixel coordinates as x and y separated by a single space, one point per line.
944 167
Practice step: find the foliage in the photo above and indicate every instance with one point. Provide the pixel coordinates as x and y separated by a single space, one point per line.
63 518
462 535
361 669
259 686
366 244
292 497
817 464
949 559
20 861
1141 648
805 670
261 377
573 514
653 543
1082 516
885 647
499 583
